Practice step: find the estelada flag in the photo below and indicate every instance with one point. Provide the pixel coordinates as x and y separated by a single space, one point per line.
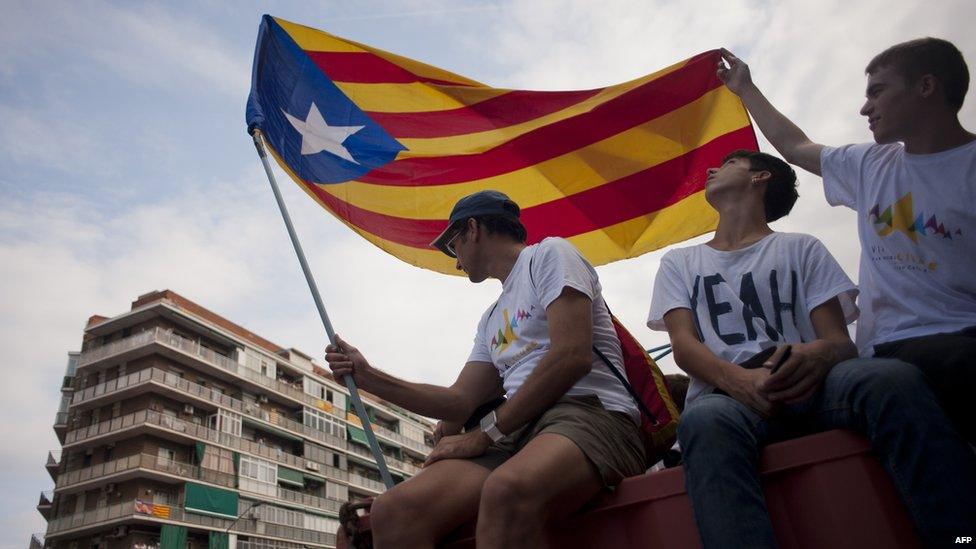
388 145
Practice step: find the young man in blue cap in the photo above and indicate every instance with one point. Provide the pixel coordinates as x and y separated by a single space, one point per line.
567 429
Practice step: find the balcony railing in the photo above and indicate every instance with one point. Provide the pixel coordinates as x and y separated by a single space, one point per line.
401 439
192 348
393 462
162 377
186 471
194 431
127 510
61 419
367 483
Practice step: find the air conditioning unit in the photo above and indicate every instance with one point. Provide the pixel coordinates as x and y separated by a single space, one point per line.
263 398
109 488
311 466
120 532
188 409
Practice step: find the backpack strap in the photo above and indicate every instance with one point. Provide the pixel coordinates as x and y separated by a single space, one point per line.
620 377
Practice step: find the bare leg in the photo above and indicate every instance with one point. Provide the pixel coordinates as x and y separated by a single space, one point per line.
419 512
550 477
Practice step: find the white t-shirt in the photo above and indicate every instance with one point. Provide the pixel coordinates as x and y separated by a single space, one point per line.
513 333
917 222
745 301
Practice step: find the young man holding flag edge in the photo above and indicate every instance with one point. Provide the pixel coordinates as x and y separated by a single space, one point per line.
568 428
913 190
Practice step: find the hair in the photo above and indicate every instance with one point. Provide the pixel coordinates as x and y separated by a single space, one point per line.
678 387
780 195
916 58
499 224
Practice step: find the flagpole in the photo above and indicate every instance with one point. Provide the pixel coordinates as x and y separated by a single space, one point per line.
350 382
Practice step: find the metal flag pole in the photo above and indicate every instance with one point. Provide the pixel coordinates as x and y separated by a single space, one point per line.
350 382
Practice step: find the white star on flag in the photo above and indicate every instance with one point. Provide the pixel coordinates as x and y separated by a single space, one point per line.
318 135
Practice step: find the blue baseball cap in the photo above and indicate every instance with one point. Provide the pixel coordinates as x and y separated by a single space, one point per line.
474 205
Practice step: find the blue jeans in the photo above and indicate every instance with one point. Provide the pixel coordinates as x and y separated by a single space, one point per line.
887 401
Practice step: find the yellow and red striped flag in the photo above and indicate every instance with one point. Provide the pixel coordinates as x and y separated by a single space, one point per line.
388 145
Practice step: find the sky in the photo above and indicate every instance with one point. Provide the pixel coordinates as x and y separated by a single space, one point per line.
125 167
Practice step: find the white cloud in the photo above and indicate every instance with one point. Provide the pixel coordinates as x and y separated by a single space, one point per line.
148 45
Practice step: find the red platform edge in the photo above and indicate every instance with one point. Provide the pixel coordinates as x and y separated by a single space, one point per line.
822 490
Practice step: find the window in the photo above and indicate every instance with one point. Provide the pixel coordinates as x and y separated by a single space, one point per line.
279 515
258 476
322 524
337 491
314 388
226 422
324 422
166 456
218 459
166 497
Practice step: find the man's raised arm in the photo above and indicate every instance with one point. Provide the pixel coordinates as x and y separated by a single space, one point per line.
788 139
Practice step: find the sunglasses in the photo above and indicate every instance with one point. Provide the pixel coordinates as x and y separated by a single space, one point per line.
450 243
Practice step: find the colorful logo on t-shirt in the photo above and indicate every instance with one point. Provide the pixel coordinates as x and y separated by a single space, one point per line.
901 217
506 337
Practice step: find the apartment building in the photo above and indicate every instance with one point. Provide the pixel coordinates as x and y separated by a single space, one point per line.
180 429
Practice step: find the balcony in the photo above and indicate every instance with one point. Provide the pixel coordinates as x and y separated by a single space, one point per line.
53 463
132 465
44 504
187 348
126 512
391 462
119 427
36 541
160 378
367 483
192 349
400 439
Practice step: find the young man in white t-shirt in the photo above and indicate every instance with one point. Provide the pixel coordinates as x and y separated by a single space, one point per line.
568 427
914 191
751 290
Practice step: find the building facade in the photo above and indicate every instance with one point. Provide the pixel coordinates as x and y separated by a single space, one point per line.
180 429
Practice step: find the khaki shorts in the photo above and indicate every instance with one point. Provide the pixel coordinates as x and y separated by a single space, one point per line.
609 440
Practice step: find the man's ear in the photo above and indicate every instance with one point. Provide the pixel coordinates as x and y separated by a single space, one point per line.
761 177
927 85
472 229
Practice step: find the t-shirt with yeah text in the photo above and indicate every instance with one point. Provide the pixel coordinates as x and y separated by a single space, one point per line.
513 334
744 301
917 221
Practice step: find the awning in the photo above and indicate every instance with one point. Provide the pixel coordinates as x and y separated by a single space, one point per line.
172 537
207 500
291 476
313 478
357 435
